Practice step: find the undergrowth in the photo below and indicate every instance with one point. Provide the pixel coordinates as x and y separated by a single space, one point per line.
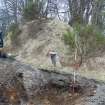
90 38
15 31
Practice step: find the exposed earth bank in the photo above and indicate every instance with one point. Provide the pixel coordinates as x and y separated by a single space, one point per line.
45 88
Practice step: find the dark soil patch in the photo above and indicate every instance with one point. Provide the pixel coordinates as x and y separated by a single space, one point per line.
53 94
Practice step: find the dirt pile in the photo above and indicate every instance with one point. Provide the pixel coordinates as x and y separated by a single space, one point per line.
37 38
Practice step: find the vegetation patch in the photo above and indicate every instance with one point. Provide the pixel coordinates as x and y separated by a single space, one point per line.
31 12
15 31
88 38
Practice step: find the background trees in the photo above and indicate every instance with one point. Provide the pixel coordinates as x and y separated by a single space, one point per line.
81 11
71 11
85 11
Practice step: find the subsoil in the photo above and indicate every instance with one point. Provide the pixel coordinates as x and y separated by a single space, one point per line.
13 90
53 94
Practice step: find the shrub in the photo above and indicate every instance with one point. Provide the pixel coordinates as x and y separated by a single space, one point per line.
14 29
31 12
90 38
69 38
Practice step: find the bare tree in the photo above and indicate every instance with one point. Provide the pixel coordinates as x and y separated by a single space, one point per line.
11 6
51 8
82 10
79 8
97 16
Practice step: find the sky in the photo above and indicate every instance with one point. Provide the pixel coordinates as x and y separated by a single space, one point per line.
1 4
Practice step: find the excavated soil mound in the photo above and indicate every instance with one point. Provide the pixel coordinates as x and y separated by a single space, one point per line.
36 39
21 84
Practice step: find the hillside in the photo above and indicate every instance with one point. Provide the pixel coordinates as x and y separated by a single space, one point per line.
37 38
40 36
